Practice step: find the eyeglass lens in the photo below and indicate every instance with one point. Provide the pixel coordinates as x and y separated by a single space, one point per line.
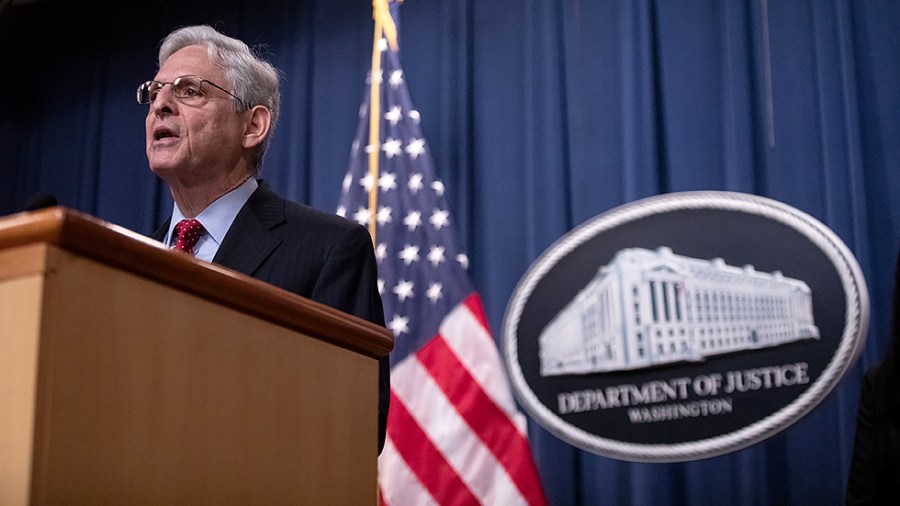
185 88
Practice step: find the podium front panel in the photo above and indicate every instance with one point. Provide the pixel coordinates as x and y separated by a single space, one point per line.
145 394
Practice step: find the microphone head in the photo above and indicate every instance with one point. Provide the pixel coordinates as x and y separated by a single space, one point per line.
40 200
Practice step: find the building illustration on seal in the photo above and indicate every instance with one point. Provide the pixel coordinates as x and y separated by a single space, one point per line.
648 308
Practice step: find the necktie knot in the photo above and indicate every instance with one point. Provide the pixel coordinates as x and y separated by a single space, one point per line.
189 232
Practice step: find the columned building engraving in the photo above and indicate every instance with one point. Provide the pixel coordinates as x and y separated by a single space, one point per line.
649 308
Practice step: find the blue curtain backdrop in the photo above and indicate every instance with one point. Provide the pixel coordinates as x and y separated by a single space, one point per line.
540 114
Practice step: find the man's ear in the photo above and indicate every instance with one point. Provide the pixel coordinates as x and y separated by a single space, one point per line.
258 123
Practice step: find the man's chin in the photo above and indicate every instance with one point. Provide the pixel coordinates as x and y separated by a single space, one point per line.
163 171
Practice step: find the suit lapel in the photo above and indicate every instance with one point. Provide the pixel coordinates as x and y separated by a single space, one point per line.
160 234
249 242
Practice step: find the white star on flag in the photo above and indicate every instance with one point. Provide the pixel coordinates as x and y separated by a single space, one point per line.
414 115
463 260
396 78
384 215
434 292
409 254
391 147
438 187
394 115
366 182
439 219
362 216
381 251
398 325
404 290
412 220
378 78
388 181
415 148
436 255
415 183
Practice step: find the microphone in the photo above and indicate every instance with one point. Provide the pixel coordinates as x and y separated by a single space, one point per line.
40 200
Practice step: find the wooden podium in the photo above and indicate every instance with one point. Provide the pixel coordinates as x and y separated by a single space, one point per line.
130 374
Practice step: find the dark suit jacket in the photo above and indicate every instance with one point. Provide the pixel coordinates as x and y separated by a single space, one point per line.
875 468
314 254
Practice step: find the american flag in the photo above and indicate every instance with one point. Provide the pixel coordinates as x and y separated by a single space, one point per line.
454 434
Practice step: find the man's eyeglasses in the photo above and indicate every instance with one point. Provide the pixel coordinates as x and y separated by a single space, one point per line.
187 89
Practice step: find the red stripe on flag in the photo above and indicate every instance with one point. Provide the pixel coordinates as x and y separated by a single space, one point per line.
473 304
485 418
424 459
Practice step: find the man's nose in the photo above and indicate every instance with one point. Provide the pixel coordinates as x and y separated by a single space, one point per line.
165 102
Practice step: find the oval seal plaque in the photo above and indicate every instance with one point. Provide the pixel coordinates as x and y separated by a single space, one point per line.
684 326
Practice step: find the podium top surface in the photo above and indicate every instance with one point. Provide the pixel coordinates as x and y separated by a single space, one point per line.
121 248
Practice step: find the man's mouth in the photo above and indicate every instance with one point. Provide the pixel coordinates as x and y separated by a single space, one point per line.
162 133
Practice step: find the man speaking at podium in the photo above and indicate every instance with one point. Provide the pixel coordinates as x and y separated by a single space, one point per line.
212 108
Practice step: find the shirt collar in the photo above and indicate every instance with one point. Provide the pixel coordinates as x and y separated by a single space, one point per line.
218 216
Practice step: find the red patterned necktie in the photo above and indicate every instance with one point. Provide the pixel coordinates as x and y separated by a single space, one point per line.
189 232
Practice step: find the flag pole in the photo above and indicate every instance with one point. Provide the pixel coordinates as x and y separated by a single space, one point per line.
384 27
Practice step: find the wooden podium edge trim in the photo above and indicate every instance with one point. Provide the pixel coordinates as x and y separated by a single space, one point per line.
94 238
